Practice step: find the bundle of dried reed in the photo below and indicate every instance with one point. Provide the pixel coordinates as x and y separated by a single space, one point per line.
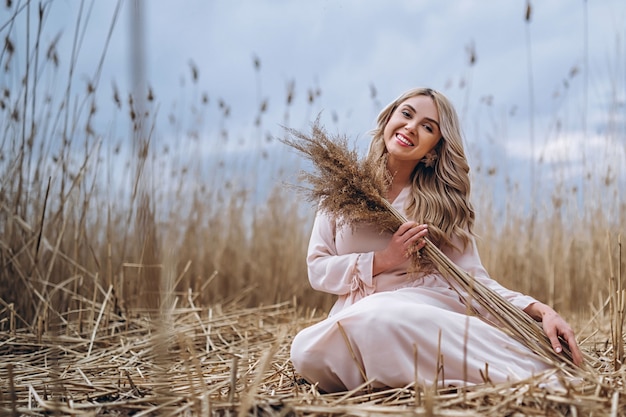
343 184
350 189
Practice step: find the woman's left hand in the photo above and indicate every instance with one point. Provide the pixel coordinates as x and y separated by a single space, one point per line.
554 326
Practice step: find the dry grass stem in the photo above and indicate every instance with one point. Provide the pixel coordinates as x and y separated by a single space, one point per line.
352 354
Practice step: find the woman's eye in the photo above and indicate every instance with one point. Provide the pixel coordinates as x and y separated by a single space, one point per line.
428 128
406 113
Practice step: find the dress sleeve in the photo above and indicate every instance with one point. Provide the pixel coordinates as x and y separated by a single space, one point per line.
335 273
469 260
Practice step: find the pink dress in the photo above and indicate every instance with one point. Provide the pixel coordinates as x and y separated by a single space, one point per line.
395 326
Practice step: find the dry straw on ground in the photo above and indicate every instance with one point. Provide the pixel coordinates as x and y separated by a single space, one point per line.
231 360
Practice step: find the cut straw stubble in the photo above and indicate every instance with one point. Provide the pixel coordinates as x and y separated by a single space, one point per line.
349 189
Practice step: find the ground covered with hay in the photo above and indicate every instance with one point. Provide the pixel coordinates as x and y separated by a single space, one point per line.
230 360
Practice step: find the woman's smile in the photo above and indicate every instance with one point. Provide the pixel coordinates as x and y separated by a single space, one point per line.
403 140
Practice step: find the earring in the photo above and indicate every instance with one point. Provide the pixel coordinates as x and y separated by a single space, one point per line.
429 159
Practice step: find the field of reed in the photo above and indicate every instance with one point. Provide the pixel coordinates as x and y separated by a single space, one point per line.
139 278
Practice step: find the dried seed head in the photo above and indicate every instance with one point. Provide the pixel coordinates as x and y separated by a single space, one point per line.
8 45
194 71
373 92
471 53
116 97
291 87
345 186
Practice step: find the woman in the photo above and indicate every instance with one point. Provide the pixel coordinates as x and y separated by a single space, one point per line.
392 324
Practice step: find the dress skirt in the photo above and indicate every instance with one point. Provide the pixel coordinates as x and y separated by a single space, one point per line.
415 334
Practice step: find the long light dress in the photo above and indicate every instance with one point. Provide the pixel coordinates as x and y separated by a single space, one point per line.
394 327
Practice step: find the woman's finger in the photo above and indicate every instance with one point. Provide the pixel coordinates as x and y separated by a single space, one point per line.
405 227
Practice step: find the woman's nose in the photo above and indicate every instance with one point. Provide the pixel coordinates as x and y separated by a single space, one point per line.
410 127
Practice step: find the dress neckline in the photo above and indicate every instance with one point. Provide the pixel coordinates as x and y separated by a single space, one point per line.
401 197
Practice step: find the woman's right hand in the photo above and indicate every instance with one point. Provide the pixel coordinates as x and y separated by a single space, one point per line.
406 240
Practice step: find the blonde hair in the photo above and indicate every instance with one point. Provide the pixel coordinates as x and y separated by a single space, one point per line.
440 194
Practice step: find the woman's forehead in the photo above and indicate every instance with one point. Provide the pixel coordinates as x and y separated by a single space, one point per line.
423 105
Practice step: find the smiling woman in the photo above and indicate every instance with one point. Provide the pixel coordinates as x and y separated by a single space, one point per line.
398 322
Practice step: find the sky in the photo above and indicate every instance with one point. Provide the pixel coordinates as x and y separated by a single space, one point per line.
551 88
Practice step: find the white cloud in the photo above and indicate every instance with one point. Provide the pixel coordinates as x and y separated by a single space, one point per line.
570 158
344 47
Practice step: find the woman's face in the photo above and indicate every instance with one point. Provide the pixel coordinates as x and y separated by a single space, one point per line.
412 130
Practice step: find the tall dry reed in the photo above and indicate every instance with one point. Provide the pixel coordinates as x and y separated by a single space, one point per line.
74 220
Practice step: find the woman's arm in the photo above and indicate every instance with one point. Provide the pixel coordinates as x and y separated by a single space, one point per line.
341 274
333 273
553 324
469 260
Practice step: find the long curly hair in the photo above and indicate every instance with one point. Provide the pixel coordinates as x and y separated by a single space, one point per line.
440 185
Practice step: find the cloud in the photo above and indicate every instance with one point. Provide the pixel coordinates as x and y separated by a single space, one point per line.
343 49
571 147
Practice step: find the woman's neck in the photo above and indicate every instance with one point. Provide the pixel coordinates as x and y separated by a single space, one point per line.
400 174
399 180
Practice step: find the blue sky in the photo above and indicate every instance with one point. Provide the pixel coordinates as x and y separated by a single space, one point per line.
570 58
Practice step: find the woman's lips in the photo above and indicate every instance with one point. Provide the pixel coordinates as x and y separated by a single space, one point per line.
403 140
